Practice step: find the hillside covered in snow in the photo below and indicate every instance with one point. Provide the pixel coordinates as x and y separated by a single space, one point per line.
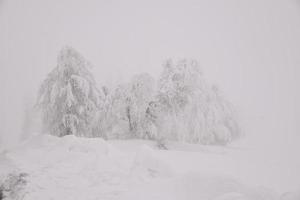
48 167
149 100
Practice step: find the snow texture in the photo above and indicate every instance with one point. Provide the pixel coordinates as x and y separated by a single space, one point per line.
48 167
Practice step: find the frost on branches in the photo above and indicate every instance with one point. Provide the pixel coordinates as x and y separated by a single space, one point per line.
182 107
188 109
68 98
125 109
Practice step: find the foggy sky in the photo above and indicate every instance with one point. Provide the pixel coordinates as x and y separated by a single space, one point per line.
249 48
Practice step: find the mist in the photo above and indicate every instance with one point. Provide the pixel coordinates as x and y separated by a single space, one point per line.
248 48
129 146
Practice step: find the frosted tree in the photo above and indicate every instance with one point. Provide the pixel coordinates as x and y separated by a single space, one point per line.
69 99
125 110
189 109
116 121
141 93
105 122
224 126
178 85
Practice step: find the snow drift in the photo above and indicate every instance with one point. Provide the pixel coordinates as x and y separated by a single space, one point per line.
48 167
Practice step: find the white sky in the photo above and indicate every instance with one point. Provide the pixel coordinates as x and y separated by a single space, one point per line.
249 48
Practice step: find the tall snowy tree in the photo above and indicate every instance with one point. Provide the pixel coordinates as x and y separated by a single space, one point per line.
68 98
189 109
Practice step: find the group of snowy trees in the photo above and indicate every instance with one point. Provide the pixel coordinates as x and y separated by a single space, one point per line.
124 113
180 106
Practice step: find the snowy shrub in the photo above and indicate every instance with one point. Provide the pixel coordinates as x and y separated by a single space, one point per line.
1 193
69 99
13 186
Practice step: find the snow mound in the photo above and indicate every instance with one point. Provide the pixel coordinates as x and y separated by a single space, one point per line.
6 167
221 187
194 186
92 168
291 195
85 145
40 141
46 150
147 164
69 168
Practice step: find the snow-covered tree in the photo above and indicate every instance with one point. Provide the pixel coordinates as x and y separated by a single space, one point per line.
68 97
189 109
125 110
115 119
142 92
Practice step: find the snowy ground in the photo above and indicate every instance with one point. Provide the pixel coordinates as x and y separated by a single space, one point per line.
80 168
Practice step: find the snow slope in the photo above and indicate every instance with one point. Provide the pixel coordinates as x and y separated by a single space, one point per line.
86 168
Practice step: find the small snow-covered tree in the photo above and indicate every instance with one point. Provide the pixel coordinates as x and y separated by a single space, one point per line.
68 97
141 93
116 120
125 115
